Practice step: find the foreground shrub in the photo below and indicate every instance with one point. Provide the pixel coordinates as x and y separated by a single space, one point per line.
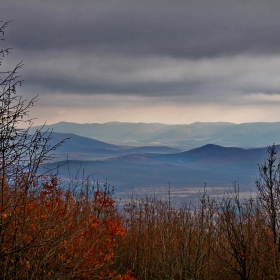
56 234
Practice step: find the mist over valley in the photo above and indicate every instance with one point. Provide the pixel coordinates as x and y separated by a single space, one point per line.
145 158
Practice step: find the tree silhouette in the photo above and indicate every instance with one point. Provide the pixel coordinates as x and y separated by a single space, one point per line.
268 186
21 153
47 232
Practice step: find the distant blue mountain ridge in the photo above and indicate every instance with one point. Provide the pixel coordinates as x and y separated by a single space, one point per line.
143 169
183 137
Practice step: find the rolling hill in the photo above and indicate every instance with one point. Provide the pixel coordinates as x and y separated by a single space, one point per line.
184 137
84 148
216 166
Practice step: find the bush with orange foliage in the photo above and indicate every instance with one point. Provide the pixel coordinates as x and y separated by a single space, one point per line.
48 233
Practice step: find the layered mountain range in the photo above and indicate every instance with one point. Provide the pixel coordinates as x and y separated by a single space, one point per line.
185 137
152 167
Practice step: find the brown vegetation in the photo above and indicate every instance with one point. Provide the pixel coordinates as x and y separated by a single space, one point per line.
48 233
225 239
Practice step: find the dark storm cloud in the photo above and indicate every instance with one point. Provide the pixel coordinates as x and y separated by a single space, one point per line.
189 29
203 49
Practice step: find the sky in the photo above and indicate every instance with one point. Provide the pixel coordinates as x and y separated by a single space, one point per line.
164 61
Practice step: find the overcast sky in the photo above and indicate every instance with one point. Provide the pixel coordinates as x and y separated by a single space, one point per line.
166 61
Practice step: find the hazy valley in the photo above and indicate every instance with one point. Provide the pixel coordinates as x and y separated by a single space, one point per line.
148 168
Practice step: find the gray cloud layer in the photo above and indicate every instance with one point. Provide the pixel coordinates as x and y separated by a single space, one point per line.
188 29
199 52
